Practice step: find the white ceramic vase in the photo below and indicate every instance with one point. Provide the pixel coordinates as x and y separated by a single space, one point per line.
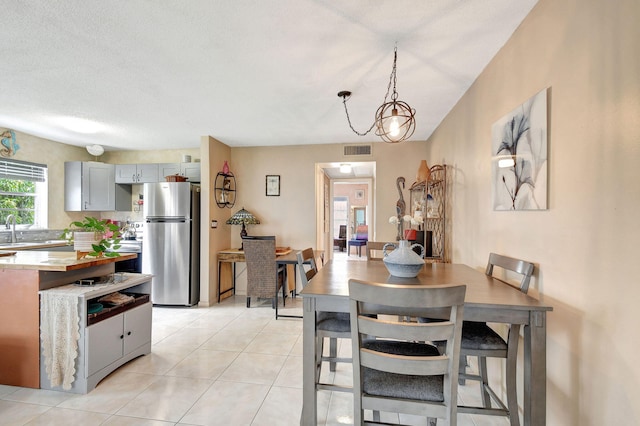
403 261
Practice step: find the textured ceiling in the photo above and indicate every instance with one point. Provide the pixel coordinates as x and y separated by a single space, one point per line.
159 75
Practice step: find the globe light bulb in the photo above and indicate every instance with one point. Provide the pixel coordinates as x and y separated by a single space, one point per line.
394 124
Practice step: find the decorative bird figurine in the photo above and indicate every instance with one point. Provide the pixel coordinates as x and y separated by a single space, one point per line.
9 144
400 206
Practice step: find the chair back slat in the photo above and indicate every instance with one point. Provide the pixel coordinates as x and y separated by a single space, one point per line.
306 256
410 331
401 364
521 267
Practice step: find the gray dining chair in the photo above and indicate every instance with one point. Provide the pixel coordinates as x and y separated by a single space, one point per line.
481 341
394 370
331 325
264 277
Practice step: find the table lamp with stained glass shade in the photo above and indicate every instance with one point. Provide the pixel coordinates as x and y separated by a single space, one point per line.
243 217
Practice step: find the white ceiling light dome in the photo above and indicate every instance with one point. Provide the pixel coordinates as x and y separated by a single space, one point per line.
95 150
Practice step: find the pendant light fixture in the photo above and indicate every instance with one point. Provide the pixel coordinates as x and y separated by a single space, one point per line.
395 120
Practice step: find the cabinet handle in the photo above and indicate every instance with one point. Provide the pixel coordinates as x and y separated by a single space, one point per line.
129 333
122 336
133 177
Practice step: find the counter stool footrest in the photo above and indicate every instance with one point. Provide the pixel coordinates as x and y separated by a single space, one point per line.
335 388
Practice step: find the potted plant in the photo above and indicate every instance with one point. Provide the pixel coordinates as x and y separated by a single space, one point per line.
96 237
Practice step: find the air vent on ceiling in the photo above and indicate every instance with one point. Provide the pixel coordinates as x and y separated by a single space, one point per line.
357 150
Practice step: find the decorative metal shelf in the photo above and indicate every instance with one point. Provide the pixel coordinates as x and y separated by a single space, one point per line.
434 215
225 190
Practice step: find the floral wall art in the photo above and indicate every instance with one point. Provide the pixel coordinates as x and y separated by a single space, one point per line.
519 157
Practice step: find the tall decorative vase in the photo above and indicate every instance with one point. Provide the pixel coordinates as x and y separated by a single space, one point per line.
423 172
403 261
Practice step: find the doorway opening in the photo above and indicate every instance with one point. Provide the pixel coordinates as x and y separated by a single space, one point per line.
348 200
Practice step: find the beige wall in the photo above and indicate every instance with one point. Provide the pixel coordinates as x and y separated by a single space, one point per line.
214 153
585 244
53 154
292 215
154 156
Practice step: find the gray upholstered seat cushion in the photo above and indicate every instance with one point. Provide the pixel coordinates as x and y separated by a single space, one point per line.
479 336
333 321
475 336
380 383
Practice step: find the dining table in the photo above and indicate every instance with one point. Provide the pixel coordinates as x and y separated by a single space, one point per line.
487 299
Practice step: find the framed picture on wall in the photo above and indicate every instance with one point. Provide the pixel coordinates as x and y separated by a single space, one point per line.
273 186
519 157
359 194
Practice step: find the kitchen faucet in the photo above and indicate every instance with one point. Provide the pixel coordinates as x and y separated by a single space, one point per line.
11 217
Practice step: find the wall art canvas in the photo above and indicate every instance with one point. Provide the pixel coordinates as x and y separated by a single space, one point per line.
519 157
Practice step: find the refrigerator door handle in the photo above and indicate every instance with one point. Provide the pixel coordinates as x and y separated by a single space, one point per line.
151 219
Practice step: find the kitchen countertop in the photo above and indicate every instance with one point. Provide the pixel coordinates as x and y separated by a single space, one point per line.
55 260
30 245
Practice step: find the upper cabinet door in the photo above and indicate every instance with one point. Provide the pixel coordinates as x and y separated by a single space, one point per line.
126 173
191 171
98 186
89 186
137 173
148 173
167 169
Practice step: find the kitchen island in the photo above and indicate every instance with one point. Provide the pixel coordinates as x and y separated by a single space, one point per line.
22 276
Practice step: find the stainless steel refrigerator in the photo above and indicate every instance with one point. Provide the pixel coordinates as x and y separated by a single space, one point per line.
171 243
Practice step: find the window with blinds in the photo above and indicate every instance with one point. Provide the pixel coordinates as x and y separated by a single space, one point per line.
23 193
22 170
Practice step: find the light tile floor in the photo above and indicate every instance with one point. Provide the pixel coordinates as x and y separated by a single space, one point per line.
221 365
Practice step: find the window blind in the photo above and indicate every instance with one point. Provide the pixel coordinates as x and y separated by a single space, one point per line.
22 170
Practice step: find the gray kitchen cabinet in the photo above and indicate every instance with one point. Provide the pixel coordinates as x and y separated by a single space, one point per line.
137 173
90 186
115 338
168 169
191 171
109 338
188 170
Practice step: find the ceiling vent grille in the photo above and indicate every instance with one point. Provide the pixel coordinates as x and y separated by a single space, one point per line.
357 150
